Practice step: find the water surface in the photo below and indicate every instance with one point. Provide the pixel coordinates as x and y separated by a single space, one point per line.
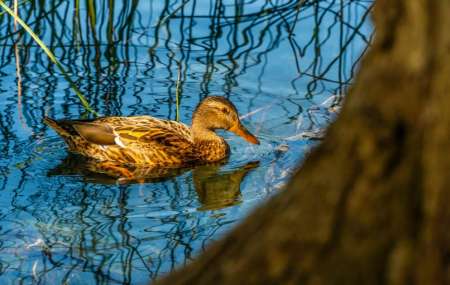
284 64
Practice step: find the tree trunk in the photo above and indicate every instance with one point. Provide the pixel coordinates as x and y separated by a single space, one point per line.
369 204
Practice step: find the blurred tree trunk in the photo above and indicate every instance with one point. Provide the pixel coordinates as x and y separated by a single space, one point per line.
369 205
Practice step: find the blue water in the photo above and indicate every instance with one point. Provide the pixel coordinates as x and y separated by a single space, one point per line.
286 65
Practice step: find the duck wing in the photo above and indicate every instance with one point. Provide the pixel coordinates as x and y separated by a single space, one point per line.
89 129
139 129
113 130
160 141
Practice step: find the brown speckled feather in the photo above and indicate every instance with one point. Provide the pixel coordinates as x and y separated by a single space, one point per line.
141 140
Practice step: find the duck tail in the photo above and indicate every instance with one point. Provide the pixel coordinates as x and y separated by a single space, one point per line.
60 127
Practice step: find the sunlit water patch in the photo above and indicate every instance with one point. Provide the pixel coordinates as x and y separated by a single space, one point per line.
285 66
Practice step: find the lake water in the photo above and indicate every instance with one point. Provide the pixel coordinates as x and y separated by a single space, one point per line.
284 64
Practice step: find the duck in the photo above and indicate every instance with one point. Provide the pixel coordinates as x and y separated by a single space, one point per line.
153 142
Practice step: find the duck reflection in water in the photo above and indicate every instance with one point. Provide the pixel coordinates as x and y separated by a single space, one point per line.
216 189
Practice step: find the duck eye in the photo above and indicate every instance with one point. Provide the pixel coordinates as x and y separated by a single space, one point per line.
225 110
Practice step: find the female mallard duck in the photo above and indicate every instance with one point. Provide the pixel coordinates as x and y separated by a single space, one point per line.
148 141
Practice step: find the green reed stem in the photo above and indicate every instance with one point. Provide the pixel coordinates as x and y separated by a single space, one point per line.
50 55
18 4
177 93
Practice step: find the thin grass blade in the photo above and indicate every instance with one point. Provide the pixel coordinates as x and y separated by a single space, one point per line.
50 55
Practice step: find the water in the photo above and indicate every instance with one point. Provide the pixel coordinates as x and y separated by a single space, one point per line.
284 64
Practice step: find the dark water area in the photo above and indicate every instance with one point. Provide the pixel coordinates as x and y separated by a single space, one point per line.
286 65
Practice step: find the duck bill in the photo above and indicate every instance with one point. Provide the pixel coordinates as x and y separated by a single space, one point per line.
241 131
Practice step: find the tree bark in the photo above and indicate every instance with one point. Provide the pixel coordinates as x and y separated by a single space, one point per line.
369 205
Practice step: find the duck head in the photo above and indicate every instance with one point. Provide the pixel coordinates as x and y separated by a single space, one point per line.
214 113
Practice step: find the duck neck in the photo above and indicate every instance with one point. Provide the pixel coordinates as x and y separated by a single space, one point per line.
209 146
201 134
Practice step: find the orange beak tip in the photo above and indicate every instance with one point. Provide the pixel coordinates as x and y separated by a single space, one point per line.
242 132
252 140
